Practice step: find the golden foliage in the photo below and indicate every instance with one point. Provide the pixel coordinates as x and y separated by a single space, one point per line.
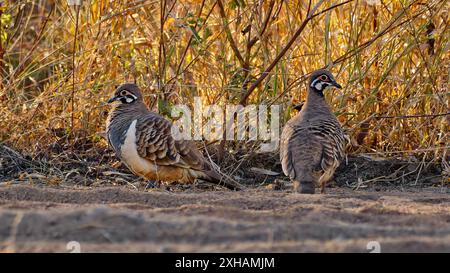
391 57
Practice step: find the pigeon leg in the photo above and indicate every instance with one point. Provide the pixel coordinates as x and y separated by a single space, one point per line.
153 184
322 188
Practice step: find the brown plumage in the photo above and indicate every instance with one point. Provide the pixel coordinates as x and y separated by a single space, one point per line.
313 142
143 140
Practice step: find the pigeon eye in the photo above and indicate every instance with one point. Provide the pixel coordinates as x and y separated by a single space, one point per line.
324 78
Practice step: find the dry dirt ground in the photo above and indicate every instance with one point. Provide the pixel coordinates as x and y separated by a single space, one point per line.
44 205
37 219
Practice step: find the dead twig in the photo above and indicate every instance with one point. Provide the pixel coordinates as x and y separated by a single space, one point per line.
415 116
228 33
310 16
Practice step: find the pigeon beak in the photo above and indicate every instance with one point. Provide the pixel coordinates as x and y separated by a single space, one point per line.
113 99
337 85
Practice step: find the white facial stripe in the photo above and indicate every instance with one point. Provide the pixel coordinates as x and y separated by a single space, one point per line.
318 84
314 82
130 100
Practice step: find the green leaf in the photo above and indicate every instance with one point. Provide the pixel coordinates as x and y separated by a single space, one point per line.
195 33
5 19
206 33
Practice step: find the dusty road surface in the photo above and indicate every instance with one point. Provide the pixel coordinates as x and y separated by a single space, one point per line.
41 218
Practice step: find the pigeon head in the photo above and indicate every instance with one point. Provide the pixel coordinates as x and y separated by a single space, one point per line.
127 93
321 79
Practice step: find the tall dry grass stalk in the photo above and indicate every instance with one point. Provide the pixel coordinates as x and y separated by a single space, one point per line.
59 64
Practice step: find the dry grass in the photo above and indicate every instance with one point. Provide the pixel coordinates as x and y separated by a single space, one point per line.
58 66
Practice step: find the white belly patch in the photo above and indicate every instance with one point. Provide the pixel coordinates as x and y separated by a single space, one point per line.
130 156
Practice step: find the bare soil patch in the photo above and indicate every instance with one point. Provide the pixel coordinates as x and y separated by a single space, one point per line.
44 206
118 219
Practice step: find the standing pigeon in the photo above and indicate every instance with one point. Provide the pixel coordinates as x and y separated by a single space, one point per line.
143 141
313 142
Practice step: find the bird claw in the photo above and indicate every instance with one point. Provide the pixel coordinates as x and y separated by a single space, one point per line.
305 188
152 184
